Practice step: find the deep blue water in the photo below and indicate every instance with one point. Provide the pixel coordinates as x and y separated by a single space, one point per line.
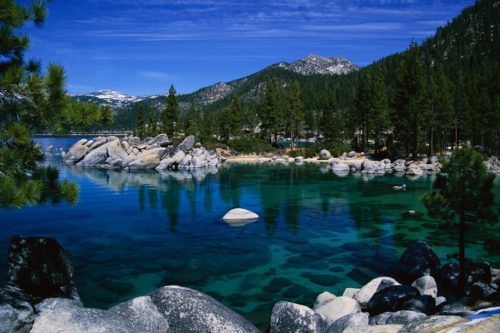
130 233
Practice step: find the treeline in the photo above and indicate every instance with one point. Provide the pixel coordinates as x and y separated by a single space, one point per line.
437 95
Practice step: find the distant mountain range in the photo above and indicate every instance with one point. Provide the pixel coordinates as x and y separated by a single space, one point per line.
308 66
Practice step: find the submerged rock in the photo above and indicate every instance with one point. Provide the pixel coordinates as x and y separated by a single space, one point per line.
418 260
41 267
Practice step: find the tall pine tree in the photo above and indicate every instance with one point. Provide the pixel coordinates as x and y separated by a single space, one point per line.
170 116
295 117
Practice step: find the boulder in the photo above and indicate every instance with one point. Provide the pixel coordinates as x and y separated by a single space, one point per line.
76 152
423 303
134 140
187 310
96 156
414 170
116 151
432 324
178 156
213 162
351 154
111 138
99 141
198 162
324 155
186 162
483 291
299 159
340 167
426 285
41 267
353 323
239 214
384 328
368 290
351 292
165 163
390 299
418 260
449 276
67 316
287 317
323 298
337 307
160 140
187 144
402 317
148 159
16 312
141 311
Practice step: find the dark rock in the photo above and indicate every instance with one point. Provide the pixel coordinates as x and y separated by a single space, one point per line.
449 276
457 308
418 260
402 317
390 299
41 267
352 323
483 291
187 144
289 317
424 303
361 276
478 272
16 312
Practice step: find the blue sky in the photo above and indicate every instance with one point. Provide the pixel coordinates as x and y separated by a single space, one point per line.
140 47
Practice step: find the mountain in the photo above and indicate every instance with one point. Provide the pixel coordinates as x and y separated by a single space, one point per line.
112 98
315 64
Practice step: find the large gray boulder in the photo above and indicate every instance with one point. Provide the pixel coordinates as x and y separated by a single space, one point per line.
96 156
187 144
324 155
67 316
337 308
352 323
369 289
76 152
141 311
99 141
41 267
116 151
178 156
187 310
16 312
148 159
289 317
160 140
402 317
426 285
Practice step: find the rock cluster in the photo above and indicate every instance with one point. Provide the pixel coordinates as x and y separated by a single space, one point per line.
385 305
493 164
133 153
382 305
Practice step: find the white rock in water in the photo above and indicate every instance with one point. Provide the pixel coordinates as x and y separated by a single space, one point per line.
240 215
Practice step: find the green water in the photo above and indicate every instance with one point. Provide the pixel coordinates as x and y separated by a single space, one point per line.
133 232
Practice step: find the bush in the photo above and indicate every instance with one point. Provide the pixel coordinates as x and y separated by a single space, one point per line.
248 145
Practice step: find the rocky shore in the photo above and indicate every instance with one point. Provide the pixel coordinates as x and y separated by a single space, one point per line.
132 153
40 297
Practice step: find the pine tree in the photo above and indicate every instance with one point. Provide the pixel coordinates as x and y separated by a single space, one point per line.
271 112
152 123
170 116
31 102
295 113
463 195
409 99
141 123
230 120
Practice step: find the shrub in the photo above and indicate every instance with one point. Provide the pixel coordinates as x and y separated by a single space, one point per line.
248 145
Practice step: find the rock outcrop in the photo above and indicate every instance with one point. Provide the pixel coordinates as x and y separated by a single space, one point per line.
133 153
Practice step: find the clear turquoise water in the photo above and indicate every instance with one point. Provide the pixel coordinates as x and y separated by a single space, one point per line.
133 232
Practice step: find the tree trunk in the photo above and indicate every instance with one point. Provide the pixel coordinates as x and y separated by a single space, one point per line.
461 254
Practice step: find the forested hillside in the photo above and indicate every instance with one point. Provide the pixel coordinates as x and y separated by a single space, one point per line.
431 96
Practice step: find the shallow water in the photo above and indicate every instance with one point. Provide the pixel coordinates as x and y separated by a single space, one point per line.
133 232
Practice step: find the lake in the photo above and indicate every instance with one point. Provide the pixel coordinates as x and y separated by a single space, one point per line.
130 233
